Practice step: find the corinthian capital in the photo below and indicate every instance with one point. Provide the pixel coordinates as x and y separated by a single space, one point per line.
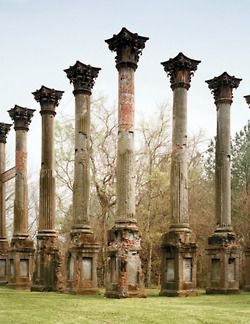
21 116
128 47
180 69
82 76
222 87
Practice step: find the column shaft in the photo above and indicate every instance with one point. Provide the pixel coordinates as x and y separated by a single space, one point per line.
223 174
47 177
21 186
222 249
81 257
125 148
2 194
81 175
179 189
124 277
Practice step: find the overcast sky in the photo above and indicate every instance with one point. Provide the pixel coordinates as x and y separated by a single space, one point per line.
41 38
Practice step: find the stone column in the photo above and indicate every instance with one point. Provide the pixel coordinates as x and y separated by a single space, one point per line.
223 252
4 245
178 268
247 100
247 247
81 259
48 266
124 277
21 251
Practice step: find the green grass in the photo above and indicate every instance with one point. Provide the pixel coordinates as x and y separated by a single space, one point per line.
33 307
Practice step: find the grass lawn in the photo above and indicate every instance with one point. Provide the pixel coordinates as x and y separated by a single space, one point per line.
34 307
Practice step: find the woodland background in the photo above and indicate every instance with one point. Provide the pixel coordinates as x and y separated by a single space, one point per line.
152 168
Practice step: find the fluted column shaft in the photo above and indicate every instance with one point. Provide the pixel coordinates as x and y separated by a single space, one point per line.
48 99
22 118
47 174
2 194
222 89
180 70
81 174
21 186
125 147
179 178
83 78
223 165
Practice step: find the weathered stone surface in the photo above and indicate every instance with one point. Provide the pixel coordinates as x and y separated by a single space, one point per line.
180 70
222 249
179 264
21 254
21 250
82 76
81 257
4 244
247 100
124 277
223 265
21 116
48 274
178 267
128 47
81 264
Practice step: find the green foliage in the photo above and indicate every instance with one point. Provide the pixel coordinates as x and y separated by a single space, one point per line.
241 159
24 307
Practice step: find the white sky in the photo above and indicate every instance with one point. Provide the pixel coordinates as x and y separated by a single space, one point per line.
40 38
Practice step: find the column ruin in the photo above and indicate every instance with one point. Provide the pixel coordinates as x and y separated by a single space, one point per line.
4 244
223 251
178 246
21 250
48 266
124 276
247 247
81 259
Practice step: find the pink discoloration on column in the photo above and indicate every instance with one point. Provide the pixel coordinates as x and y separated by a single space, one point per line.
21 161
126 98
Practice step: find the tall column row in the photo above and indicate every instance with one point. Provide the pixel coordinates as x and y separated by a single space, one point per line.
124 277
76 272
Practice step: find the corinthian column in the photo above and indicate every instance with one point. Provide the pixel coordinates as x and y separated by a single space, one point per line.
178 247
4 245
247 246
48 272
82 255
223 252
124 275
21 250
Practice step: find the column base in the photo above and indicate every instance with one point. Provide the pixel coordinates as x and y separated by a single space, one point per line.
48 274
81 263
179 264
223 266
221 291
124 276
20 264
179 293
4 247
247 267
